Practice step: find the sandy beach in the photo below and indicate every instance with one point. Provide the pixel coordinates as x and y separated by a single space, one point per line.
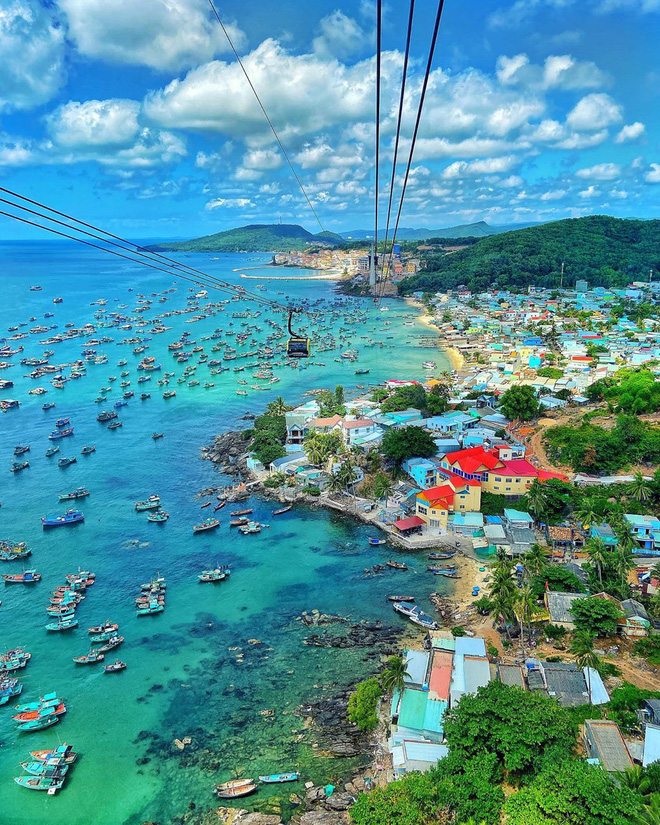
328 276
455 357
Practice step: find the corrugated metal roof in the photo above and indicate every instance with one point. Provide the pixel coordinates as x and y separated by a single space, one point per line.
412 709
434 715
609 744
424 751
441 674
417 665
651 744
470 646
477 673
511 675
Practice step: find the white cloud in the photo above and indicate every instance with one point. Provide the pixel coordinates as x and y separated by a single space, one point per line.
654 175
643 6
32 67
340 37
630 133
15 152
602 171
575 140
555 195
166 35
595 111
589 192
488 166
558 72
263 159
229 203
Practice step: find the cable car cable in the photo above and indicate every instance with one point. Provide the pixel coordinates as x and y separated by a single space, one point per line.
379 30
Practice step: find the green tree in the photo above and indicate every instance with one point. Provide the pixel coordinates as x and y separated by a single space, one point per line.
383 486
556 578
573 793
522 729
278 406
639 488
268 453
587 513
363 704
520 402
598 554
534 561
339 394
548 500
407 442
597 617
582 646
395 674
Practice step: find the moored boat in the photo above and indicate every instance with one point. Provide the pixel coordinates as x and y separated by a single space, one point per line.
90 658
64 752
52 450
67 622
397 565
80 492
66 462
70 517
152 503
115 667
27 577
88 449
236 788
280 777
218 574
415 615
207 524
282 510
376 542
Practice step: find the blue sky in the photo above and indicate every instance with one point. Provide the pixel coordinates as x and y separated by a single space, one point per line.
133 114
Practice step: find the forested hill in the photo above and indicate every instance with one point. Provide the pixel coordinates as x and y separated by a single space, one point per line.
255 238
603 250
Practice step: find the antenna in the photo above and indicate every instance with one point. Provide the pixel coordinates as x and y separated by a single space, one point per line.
561 277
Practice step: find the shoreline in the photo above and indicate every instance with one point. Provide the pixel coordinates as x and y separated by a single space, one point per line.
454 355
329 277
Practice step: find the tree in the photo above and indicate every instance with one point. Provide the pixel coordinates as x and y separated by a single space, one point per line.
534 561
395 673
557 578
520 402
437 399
525 606
520 728
639 488
278 406
269 453
406 442
598 554
586 513
573 793
582 646
383 486
597 617
623 564
547 500
346 474
363 704
339 394
502 592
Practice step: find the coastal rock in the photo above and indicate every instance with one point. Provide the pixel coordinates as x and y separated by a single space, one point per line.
339 801
320 817
256 818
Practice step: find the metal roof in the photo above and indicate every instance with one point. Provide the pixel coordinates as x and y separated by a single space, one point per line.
417 665
608 744
651 744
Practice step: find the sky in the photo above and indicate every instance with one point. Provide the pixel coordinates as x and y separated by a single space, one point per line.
135 115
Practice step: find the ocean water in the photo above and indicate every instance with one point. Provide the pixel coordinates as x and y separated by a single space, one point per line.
191 671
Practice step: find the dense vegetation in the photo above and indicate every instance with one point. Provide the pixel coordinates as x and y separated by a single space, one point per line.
407 442
593 449
255 238
634 391
606 251
268 437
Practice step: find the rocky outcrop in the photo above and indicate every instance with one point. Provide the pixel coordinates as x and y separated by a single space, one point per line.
321 817
381 640
228 451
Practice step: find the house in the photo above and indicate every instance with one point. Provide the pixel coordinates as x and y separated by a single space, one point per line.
603 741
453 495
558 606
412 754
421 470
466 524
288 463
564 538
517 518
605 533
646 530
651 711
254 464
651 745
404 417
471 668
635 620
358 431
454 422
296 421
511 675
324 425
496 469
409 526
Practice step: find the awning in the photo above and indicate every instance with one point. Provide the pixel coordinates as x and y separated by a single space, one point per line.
409 523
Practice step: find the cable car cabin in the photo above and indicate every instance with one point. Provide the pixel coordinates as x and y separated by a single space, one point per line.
298 348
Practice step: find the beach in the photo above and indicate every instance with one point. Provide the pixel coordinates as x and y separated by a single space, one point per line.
454 355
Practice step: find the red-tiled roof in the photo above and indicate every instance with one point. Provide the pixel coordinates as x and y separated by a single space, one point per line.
358 422
408 523
474 459
441 497
545 475
520 467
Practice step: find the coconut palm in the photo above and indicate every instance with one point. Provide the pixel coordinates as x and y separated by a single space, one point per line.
395 674
639 488
314 448
624 536
623 564
650 815
582 646
503 590
278 406
346 474
383 486
598 554
525 606
586 514
334 483
534 561
635 778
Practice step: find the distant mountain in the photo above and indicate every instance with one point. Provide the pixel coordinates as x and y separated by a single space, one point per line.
469 230
605 251
258 237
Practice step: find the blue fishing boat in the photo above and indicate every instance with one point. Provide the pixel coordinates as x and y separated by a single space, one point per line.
48 406
70 517
416 615
280 777
88 449
8 689
66 623
62 422
41 768
51 782
27 577
90 659
56 434
106 415
375 542
47 720
64 462
17 466
52 450
79 492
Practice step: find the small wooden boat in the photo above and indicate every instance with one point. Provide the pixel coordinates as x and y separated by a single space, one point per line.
238 522
106 627
152 503
66 462
280 777
111 644
80 492
90 659
207 524
67 623
52 450
115 667
242 512
438 556
17 466
236 788
39 768
206 504
250 528
64 752
88 449
159 516
282 510
41 722
397 565
216 575
156 436
50 783
27 577
376 542
401 598
21 448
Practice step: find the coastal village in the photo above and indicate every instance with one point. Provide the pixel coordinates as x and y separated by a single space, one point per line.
580 627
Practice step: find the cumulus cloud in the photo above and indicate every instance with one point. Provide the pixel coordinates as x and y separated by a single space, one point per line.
557 72
589 192
166 35
653 176
630 133
32 65
229 203
487 166
595 111
602 171
340 37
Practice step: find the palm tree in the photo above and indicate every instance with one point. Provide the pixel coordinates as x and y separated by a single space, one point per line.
623 563
346 474
582 646
598 553
635 778
537 499
502 590
314 448
534 561
586 514
624 536
525 607
334 483
639 488
278 406
395 674
383 486
650 815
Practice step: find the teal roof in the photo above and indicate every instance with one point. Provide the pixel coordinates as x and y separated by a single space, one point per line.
434 715
418 711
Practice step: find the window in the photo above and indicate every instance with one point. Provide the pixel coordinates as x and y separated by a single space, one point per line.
423 510
507 488
508 480
498 478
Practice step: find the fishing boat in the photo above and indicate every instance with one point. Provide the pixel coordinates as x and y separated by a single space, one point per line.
106 627
152 607
66 623
152 503
156 436
27 577
438 556
62 422
106 415
376 542
275 778
52 450
49 783
362 372
401 598
41 768
90 659
397 565
144 396
207 524
8 689
115 425
57 434
80 492
111 644
250 528
242 512
49 405
21 448
17 466
88 449
63 752
70 517
64 462
104 635
236 788
238 522
415 615
41 722
115 667
169 394
159 516
216 575
282 510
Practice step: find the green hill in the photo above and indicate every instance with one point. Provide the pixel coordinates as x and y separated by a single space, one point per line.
255 238
604 251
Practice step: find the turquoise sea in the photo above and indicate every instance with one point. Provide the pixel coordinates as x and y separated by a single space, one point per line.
191 671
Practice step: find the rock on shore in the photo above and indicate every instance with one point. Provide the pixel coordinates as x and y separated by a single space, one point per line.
229 452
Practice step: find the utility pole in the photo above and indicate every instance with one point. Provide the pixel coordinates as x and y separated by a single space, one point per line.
372 268
561 277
